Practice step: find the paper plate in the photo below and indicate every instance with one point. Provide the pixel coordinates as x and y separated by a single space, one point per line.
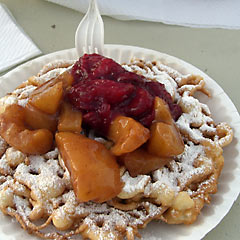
223 110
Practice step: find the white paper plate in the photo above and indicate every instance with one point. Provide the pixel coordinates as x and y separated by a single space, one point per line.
222 110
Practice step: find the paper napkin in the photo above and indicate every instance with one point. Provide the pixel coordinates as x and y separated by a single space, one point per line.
192 13
15 45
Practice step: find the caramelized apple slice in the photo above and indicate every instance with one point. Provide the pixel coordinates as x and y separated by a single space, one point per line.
47 98
162 112
165 140
95 174
37 119
127 134
13 130
70 120
66 78
141 162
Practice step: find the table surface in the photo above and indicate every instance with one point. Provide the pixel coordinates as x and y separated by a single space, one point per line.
214 51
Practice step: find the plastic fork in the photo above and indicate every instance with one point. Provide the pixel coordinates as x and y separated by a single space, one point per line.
89 37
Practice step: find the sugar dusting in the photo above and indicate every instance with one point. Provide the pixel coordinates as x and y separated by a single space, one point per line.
3 146
49 75
134 184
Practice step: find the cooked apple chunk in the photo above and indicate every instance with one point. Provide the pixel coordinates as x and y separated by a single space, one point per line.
127 134
37 119
162 112
66 78
94 172
70 120
141 162
15 133
165 140
47 97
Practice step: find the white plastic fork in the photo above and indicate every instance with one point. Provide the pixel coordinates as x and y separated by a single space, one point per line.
89 37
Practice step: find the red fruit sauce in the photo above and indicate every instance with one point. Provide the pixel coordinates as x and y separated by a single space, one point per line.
103 89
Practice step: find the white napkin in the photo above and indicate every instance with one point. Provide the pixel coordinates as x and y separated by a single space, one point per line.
15 45
192 13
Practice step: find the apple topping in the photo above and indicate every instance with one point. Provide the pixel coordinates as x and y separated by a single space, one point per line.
47 97
94 172
127 134
135 114
37 119
66 78
162 112
70 120
15 133
142 162
165 140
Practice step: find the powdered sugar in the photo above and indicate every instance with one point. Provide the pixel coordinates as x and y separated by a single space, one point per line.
3 146
4 166
49 75
41 177
6 101
153 73
58 64
52 154
193 116
13 153
24 92
23 206
133 186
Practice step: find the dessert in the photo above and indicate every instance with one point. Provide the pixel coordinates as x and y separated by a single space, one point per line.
171 185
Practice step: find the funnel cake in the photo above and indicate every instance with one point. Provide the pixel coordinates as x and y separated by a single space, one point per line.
37 189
